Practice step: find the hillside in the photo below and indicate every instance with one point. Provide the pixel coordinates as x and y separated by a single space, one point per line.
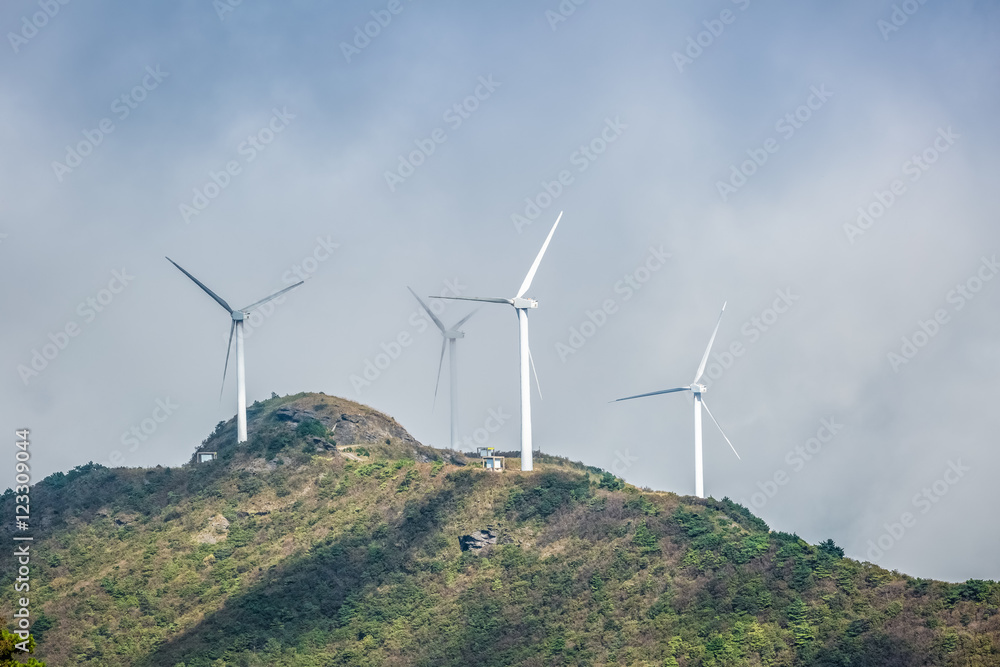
334 538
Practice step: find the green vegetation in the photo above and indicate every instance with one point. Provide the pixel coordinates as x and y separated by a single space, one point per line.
311 427
9 650
278 555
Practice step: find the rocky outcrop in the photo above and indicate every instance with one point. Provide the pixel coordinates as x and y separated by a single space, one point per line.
349 429
477 540
216 531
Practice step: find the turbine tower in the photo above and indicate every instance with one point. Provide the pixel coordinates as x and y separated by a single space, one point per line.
699 403
521 306
237 317
449 339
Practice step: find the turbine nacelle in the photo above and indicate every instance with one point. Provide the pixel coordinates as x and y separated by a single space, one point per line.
523 302
238 315
698 388
453 334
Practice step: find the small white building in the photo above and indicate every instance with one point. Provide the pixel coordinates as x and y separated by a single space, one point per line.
490 461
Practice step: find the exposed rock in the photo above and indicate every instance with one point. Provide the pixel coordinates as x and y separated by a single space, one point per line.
261 465
216 531
477 540
293 414
365 429
349 429
322 443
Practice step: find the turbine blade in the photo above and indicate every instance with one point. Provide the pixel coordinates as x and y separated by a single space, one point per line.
439 323
537 383
705 405
444 344
538 260
711 341
218 299
225 368
509 302
652 393
273 296
465 319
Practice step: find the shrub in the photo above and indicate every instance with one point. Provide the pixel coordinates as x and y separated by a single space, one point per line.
310 427
611 483
743 516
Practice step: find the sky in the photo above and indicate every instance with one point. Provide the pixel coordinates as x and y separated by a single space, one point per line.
826 170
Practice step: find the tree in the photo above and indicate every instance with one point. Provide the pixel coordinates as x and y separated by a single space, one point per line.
830 547
799 624
645 539
9 649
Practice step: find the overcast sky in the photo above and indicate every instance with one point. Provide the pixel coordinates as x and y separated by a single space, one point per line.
829 169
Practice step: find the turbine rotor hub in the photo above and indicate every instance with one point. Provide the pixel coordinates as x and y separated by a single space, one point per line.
521 302
699 388
238 315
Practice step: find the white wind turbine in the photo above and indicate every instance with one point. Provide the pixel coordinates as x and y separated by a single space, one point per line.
521 306
237 327
449 339
699 402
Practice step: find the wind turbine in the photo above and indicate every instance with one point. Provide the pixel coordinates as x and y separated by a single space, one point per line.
449 339
699 403
521 306
237 327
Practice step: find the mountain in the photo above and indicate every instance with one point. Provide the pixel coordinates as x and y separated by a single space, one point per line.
333 537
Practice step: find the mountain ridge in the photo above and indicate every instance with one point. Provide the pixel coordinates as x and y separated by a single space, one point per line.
333 537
